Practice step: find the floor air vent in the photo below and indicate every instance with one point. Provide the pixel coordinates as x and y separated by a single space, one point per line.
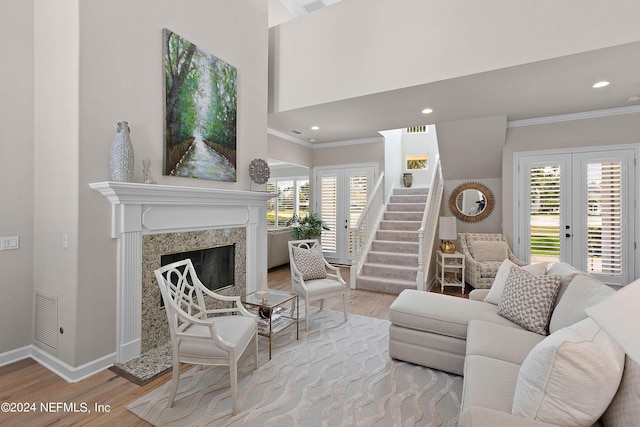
46 309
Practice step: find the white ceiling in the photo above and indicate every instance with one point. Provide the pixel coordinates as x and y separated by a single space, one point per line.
301 7
546 88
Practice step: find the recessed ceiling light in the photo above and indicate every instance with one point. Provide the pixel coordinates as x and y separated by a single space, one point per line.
600 84
315 127
427 111
633 98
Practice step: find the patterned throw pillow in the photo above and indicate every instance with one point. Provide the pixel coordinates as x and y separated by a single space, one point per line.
528 299
310 262
495 293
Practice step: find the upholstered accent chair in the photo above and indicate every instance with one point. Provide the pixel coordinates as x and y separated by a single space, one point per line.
312 277
201 336
484 252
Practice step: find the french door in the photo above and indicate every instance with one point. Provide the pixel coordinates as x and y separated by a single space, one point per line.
579 208
341 195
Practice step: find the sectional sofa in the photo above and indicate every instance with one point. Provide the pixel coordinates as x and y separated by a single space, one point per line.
568 373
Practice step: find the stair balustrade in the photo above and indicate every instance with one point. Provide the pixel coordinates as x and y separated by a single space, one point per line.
427 231
363 232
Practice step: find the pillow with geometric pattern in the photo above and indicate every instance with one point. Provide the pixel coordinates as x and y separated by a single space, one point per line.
310 262
528 299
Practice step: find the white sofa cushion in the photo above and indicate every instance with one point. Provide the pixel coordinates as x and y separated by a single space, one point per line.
441 314
495 293
582 292
500 342
528 299
489 250
570 377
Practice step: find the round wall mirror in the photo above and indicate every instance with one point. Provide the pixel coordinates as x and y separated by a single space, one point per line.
471 202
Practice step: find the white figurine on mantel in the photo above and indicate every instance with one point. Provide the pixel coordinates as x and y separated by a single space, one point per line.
146 171
264 288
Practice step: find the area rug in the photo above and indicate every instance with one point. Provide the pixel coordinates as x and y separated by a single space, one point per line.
337 374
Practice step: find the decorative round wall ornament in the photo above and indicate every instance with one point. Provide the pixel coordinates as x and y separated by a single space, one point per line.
259 171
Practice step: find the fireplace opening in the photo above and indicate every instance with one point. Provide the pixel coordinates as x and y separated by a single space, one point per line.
214 266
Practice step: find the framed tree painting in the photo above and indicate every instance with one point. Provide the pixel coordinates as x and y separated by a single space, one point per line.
200 112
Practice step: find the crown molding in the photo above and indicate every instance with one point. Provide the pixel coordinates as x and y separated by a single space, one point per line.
315 146
348 142
574 116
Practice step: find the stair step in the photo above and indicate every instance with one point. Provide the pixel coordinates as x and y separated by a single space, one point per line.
400 225
402 247
405 207
398 272
394 258
403 216
412 190
390 286
397 235
408 198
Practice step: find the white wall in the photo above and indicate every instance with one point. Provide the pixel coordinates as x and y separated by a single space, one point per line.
420 143
431 40
349 154
287 151
98 63
392 160
472 149
16 173
56 167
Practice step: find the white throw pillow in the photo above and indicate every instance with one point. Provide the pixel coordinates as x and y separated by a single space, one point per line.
570 377
495 293
489 250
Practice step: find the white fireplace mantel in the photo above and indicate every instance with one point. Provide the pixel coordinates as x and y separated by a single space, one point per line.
138 209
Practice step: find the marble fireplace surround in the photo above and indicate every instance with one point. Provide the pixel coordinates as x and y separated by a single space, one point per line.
146 209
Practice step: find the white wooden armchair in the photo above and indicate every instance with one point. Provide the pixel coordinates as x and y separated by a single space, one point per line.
484 252
199 335
312 277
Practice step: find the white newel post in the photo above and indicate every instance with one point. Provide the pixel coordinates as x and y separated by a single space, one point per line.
139 209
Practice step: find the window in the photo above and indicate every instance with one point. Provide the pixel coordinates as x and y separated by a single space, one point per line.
417 161
293 198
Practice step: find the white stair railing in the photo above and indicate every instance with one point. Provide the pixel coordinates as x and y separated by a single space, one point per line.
364 231
427 231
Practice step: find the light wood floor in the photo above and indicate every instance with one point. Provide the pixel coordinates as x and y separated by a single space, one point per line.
28 382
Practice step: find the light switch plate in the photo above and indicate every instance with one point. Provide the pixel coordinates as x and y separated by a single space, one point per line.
9 243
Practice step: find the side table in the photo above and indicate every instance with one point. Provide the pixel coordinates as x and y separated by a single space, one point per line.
276 312
450 270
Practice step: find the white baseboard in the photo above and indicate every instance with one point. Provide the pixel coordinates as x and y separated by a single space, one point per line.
15 355
69 373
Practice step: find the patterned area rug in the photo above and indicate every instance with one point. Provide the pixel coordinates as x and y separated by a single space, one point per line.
339 373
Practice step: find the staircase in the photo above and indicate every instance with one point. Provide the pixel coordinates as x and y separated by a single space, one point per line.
392 262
